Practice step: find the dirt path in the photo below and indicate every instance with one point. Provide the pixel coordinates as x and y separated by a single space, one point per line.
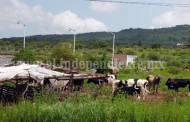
165 96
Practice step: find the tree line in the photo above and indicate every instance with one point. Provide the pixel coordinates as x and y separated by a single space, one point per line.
134 36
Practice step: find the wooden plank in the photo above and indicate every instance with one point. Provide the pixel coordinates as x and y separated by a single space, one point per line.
66 77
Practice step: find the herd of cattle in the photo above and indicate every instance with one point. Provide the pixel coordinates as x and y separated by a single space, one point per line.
133 87
136 87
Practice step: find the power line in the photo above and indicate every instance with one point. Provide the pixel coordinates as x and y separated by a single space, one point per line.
144 3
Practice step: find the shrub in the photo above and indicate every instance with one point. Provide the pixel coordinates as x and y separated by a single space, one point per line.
24 55
153 56
174 63
174 70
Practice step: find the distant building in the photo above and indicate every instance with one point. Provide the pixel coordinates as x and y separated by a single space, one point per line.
122 60
183 46
130 59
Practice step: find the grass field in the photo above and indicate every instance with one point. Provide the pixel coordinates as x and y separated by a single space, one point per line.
94 105
84 108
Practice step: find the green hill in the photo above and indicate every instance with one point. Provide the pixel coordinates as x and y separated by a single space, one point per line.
165 36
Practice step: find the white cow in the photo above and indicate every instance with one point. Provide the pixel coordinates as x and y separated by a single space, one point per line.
58 85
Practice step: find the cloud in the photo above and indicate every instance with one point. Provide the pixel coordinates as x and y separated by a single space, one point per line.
16 10
71 20
40 21
104 7
176 16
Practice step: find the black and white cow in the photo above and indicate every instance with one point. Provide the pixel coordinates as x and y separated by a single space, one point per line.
139 83
124 89
174 84
111 80
130 86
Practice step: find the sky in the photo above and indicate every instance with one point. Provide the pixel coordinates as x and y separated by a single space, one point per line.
43 17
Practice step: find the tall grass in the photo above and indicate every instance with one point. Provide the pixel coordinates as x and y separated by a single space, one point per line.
83 108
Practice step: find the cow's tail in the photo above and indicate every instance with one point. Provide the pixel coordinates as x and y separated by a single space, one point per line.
146 86
189 84
147 78
135 87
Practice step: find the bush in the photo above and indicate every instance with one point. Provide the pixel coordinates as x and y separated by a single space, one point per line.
24 55
174 63
156 45
127 71
174 70
153 56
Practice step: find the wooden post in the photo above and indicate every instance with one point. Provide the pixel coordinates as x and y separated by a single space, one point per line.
16 90
70 87
25 90
27 86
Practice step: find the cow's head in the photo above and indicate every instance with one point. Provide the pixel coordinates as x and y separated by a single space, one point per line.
170 82
120 83
158 79
109 78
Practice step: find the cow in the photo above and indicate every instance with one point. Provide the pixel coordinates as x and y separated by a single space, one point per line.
124 89
77 84
96 81
174 84
58 85
153 81
134 83
138 83
111 80
113 70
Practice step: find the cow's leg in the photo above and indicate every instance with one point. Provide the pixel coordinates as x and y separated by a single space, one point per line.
154 88
115 93
149 85
78 88
113 88
176 89
143 93
74 87
142 90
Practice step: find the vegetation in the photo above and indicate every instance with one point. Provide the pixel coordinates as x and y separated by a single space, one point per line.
133 36
151 47
85 107
94 104
24 55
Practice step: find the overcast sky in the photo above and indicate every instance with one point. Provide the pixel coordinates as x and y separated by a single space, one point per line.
57 16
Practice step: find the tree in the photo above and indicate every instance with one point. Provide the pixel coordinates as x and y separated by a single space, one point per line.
62 52
153 56
156 45
189 40
63 55
24 55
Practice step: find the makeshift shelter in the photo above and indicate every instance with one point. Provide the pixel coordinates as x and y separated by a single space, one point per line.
26 72
36 72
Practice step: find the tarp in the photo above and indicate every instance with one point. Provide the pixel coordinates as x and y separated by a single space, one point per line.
35 71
